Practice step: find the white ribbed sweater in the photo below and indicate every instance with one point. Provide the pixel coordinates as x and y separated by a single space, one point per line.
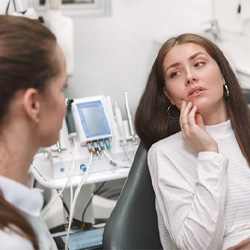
202 200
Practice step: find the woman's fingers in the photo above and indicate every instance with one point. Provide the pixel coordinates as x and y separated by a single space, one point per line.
183 106
185 110
199 121
191 117
193 130
189 127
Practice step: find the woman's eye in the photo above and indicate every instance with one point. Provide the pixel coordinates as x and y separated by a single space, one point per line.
173 74
64 87
198 64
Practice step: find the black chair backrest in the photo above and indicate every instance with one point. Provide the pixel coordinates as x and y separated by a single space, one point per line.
133 222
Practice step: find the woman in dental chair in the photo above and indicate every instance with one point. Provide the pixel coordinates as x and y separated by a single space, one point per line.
32 108
194 118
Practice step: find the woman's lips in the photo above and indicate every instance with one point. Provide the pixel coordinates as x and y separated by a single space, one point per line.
195 91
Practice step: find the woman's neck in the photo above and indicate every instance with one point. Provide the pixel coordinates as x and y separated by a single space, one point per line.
16 153
215 116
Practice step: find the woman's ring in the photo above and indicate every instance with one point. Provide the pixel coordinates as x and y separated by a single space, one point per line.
184 123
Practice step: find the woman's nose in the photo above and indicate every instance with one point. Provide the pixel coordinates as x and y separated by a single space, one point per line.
191 80
191 77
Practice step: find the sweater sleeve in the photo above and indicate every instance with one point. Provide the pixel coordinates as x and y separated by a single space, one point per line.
192 214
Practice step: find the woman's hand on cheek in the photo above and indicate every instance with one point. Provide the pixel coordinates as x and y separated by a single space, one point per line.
193 129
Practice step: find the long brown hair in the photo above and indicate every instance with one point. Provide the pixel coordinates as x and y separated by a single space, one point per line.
27 60
9 216
152 122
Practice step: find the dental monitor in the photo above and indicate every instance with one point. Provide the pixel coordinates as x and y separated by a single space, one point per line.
91 119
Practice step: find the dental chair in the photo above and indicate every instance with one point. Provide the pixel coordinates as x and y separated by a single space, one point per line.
133 222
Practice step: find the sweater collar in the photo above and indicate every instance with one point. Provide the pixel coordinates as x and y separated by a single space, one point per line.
219 129
28 200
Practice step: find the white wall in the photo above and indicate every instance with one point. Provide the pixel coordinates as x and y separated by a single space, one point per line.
115 54
20 4
226 12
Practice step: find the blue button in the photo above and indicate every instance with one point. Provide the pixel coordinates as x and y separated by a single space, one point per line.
82 166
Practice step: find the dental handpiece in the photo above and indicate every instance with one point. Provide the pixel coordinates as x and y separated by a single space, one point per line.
130 122
119 122
70 120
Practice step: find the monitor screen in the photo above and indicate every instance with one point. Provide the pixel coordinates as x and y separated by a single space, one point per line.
93 119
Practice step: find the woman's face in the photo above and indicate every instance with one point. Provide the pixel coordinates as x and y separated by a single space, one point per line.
191 74
53 107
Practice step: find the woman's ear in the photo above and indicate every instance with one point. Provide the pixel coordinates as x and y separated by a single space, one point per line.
224 82
31 105
168 95
223 79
